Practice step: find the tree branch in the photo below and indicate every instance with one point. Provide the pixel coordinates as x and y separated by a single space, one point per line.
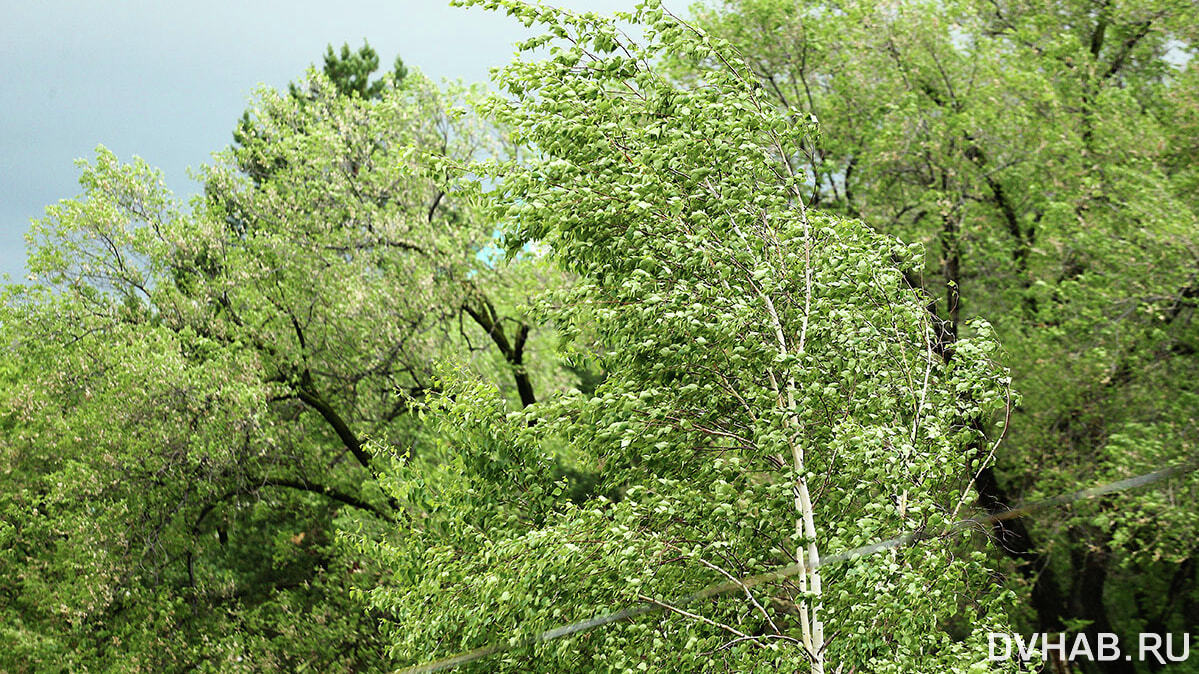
301 485
344 433
328 492
1126 48
488 319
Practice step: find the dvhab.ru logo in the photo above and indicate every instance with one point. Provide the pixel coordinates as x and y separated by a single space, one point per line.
1102 647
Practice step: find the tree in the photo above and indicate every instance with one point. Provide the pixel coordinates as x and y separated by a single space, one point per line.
1034 147
349 73
773 393
192 402
311 419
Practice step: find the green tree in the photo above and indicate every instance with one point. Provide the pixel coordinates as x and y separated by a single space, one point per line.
351 71
1043 152
350 74
191 402
773 394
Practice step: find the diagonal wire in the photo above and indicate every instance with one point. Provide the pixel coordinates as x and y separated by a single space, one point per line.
787 571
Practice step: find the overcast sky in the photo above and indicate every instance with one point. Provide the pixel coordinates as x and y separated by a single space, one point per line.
166 81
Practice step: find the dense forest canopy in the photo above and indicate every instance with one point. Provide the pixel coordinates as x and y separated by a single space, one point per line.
1044 154
428 368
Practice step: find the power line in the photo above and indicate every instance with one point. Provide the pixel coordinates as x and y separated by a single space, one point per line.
794 569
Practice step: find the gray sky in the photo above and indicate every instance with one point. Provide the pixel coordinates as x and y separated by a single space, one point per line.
166 81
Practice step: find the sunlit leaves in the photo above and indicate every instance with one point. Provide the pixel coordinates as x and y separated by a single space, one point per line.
717 300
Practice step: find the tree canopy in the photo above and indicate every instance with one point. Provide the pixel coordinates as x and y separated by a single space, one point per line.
193 387
428 368
1035 149
773 393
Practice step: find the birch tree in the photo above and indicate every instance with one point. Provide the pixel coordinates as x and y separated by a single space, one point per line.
773 393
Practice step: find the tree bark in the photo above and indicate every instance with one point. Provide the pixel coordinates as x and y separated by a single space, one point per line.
487 318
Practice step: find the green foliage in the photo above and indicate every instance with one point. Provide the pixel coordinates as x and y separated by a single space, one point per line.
771 391
1044 153
194 387
313 421
350 75
350 72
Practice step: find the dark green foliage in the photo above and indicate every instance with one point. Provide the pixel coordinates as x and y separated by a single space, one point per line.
351 72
